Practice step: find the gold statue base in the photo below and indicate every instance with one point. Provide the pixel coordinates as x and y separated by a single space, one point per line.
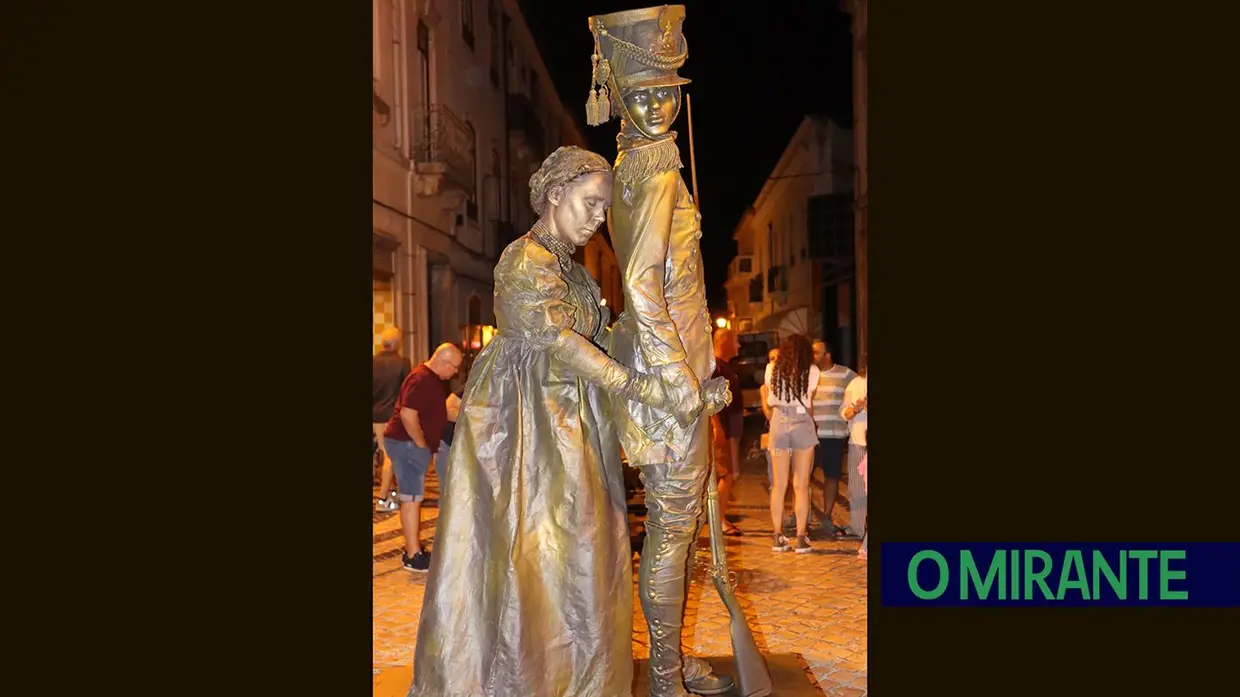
788 677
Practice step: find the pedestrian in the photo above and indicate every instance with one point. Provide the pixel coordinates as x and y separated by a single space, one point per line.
453 406
832 430
864 468
728 425
765 440
856 412
388 371
417 426
791 382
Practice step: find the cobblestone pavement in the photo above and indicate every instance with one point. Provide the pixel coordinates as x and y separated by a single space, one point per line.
809 604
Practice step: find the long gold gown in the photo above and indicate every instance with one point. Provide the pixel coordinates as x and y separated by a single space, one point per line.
530 586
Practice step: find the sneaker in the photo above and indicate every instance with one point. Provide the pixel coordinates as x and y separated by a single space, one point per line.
780 544
388 505
419 563
803 545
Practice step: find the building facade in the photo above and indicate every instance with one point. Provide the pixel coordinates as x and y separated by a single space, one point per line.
794 270
464 111
859 9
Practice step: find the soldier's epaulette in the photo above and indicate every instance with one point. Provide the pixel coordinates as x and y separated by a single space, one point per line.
637 163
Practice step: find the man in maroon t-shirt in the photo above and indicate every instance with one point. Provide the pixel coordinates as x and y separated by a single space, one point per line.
412 435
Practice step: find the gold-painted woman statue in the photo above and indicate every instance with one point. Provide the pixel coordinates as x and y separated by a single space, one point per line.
531 589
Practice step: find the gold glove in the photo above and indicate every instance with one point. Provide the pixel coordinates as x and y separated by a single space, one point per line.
716 395
587 362
685 392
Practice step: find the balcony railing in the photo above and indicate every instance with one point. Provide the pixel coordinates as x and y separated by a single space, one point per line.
442 138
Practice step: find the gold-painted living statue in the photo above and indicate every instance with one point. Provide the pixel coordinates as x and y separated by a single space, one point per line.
665 331
530 586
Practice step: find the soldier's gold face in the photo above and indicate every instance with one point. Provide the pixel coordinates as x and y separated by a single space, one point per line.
578 208
653 109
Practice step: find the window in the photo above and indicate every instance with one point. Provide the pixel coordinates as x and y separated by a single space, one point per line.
755 289
475 310
471 203
829 223
467 22
496 48
745 265
770 244
424 66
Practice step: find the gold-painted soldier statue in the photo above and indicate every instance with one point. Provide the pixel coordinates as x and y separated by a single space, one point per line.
665 331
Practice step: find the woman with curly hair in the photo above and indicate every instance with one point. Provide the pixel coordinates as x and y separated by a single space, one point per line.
531 581
791 381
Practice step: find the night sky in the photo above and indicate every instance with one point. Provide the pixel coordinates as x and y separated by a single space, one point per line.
757 68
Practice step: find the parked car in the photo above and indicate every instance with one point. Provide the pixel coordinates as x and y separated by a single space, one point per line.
750 362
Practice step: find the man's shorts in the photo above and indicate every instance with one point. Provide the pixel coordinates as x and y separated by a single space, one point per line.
410 464
733 424
830 456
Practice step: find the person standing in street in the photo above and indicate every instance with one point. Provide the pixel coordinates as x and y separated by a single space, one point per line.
729 424
767 412
864 468
791 382
413 433
856 412
832 430
453 406
388 371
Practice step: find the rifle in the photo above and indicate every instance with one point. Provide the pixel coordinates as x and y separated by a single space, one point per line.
752 676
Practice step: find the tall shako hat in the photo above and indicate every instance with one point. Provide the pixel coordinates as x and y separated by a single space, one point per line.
634 49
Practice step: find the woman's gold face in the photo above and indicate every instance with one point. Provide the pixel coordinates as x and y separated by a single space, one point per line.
653 109
579 207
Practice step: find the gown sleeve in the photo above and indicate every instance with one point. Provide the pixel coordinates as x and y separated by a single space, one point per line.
528 277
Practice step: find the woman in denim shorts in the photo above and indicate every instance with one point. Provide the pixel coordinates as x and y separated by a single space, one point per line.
791 381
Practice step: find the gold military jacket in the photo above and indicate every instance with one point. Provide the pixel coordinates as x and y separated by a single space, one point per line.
656 232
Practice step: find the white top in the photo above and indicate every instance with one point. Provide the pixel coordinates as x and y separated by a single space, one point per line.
807 398
858 389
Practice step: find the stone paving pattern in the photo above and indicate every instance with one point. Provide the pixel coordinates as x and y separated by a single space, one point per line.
812 604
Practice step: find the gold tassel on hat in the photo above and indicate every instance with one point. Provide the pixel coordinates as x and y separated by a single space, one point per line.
603 112
592 109
598 106
592 112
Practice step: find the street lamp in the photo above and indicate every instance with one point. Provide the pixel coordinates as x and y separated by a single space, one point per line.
722 323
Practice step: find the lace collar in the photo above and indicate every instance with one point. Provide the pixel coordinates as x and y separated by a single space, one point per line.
561 250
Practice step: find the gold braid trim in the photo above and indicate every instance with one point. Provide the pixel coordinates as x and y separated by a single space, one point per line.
637 162
650 59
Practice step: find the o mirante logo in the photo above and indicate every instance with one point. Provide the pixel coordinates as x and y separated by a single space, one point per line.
1018 574
1058 574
